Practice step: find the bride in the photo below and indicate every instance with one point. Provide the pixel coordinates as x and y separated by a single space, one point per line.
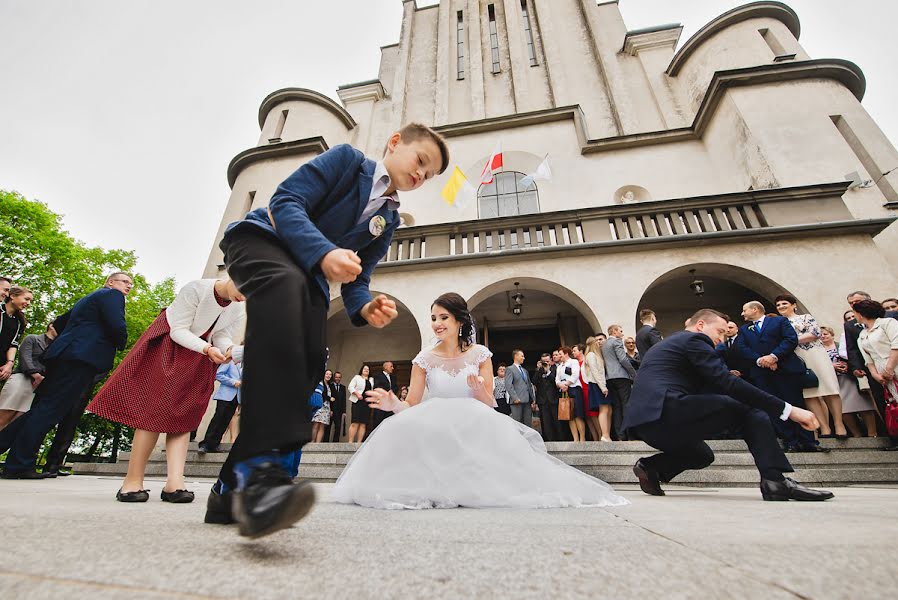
449 448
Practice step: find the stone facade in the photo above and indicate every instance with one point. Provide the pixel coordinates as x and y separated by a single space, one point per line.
727 156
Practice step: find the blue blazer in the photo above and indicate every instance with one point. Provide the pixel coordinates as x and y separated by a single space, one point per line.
228 375
95 328
317 209
777 337
683 364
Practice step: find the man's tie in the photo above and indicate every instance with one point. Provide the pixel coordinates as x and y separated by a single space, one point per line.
729 342
523 372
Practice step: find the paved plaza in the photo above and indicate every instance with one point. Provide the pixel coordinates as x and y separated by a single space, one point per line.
69 538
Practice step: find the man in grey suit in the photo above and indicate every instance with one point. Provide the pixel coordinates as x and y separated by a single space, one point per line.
520 390
619 375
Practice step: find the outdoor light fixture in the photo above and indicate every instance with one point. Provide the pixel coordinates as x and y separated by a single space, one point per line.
697 286
518 299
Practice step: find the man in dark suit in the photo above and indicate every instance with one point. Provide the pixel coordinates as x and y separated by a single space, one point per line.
95 329
338 407
856 362
384 381
547 398
729 352
769 344
648 335
690 396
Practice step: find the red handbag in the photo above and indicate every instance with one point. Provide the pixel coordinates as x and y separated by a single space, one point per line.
891 415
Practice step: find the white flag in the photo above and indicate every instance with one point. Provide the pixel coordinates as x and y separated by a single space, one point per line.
543 173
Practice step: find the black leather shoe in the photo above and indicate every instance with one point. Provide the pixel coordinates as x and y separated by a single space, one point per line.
201 449
812 448
788 489
842 436
177 496
50 473
138 496
218 508
891 448
31 474
649 481
271 501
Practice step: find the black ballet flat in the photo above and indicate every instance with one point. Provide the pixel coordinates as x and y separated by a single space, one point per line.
842 436
138 496
177 496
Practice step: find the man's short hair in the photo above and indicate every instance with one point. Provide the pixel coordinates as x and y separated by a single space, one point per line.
895 300
387 362
116 274
411 132
338 373
516 351
545 354
705 314
613 327
645 314
6 279
755 304
859 293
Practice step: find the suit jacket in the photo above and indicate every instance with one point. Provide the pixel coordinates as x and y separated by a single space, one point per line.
228 375
546 392
777 337
685 364
518 386
733 358
852 332
338 397
31 352
617 363
317 209
646 337
381 381
95 329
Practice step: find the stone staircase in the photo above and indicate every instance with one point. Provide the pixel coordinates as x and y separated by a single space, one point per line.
854 461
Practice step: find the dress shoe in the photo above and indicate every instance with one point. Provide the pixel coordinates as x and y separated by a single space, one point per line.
893 448
63 473
138 496
842 436
788 489
218 508
177 496
201 449
271 501
649 481
30 474
812 448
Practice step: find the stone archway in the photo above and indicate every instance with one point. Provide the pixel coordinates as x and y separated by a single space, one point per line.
551 315
726 288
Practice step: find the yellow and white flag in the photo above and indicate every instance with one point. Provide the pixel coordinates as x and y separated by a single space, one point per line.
457 190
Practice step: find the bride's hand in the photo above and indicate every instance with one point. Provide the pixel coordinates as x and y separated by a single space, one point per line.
475 382
382 399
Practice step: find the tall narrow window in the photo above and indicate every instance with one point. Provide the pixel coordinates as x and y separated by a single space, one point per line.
779 52
250 198
528 34
282 120
494 38
460 45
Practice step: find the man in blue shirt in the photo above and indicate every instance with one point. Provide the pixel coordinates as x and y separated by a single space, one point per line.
331 221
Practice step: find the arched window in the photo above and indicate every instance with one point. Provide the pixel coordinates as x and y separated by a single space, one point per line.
507 197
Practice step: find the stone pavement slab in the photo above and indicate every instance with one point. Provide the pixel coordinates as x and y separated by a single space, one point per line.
69 538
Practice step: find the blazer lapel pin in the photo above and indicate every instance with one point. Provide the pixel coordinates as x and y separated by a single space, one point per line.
377 225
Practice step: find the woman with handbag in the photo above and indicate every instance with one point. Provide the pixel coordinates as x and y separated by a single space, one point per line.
878 343
823 399
854 402
500 393
567 378
165 382
358 386
598 414
320 405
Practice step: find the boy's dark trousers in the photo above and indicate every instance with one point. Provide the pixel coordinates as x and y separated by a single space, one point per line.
285 348
224 412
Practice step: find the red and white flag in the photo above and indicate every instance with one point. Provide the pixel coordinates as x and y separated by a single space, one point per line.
492 166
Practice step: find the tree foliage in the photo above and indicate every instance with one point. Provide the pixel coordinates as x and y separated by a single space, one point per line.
36 252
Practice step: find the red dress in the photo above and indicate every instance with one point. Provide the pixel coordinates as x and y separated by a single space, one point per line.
585 386
161 386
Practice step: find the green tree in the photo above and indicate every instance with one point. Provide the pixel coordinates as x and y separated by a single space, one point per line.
36 252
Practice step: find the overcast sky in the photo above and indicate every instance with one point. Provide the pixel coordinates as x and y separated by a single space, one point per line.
122 115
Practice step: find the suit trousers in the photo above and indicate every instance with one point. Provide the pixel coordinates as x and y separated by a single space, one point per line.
620 388
335 427
224 412
548 418
57 394
688 421
787 387
285 349
65 432
522 413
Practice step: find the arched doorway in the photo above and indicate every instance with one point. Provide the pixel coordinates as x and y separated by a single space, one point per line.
550 315
725 288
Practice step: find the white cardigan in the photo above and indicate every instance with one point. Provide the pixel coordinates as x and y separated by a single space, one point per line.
193 312
358 385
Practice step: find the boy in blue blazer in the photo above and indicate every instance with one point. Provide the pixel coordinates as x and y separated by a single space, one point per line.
330 221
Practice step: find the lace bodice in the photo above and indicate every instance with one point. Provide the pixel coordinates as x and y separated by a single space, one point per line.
448 377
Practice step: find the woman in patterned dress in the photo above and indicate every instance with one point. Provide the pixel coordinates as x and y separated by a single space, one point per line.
824 400
500 394
322 416
164 383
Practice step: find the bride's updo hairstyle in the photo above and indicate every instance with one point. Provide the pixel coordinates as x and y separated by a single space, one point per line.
458 308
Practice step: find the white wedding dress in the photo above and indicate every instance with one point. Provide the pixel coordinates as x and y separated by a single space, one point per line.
453 450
